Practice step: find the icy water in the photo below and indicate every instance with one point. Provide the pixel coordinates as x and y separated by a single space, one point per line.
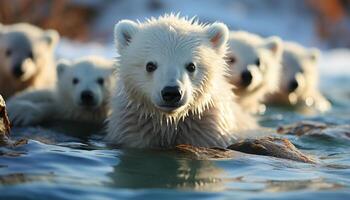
89 170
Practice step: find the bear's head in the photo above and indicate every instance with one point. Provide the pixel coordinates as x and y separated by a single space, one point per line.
85 83
299 75
170 65
24 50
253 61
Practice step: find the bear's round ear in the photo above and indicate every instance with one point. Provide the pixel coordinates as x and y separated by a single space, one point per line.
51 37
274 44
314 54
62 65
217 34
124 31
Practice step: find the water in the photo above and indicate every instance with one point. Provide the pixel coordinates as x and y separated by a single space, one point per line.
89 170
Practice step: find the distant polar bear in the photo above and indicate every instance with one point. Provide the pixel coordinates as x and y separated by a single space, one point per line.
81 95
171 87
26 58
254 64
300 79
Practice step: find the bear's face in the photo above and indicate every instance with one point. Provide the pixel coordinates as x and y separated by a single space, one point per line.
251 64
22 53
299 72
85 83
170 63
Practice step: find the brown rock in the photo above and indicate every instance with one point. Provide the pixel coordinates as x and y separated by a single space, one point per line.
267 146
316 129
270 146
203 153
4 124
300 128
5 128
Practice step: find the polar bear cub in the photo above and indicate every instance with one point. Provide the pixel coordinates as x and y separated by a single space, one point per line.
26 58
82 93
299 84
254 64
171 87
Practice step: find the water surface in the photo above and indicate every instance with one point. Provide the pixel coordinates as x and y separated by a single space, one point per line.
76 169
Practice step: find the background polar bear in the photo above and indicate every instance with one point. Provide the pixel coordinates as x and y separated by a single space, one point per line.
81 95
171 87
299 84
26 58
254 64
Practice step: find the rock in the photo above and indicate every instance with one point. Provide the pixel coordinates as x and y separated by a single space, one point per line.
267 146
270 146
5 128
317 129
300 128
203 153
4 124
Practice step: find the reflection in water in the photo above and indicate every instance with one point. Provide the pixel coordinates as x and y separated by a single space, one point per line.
315 184
17 178
150 169
140 169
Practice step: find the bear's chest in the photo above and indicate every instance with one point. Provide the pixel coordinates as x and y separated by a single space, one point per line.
149 131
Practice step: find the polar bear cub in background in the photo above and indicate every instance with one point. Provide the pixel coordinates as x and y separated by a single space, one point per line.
82 93
171 86
300 79
26 58
254 64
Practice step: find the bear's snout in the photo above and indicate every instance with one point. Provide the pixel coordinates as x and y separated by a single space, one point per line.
246 77
87 98
171 94
293 85
17 70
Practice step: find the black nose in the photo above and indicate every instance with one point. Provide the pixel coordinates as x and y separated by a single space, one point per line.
171 94
293 85
17 70
246 78
87 98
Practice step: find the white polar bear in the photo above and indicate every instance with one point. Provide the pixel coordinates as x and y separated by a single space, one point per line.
26 58
254 64
171 87
300 79
81 95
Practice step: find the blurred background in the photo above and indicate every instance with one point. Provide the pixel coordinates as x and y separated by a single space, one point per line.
322 23
86 26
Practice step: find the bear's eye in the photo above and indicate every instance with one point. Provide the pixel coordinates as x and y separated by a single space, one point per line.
190 67
151 67
100 81
8 52
75 81
257 62
231 60
30 55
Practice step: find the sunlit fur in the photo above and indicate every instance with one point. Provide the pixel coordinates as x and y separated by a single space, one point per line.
20 40
245 48
300 63
209 117
62 102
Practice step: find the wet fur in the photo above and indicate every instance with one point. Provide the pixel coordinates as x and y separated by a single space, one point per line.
212 118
